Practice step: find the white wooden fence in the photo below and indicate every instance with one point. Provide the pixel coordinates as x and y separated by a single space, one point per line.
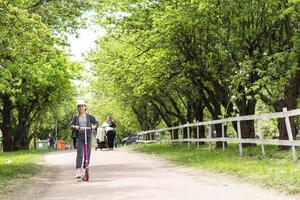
143 137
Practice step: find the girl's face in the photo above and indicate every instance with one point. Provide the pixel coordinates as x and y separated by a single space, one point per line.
81 109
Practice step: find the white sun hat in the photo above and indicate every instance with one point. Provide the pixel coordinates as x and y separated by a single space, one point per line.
81 102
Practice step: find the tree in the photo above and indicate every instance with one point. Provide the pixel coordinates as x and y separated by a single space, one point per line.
185 56
34 69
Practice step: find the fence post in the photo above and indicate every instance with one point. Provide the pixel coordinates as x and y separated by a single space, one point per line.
290 134
262 145
188 134
198 136
223 136
180 132
239 136
209 136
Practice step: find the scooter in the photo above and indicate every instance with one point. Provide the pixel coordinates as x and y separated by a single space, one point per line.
85 177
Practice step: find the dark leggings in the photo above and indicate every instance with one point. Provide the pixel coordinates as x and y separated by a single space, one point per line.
110 138
74 142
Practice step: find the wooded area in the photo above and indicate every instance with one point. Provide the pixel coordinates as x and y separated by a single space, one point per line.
161 63
35 71
172 62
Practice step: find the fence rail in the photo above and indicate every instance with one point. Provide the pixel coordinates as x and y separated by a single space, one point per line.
149 136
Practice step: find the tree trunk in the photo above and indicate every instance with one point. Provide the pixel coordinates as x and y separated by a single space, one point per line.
217 128
22 131
198 109
148 118
175 134
6 127
291 94
247 107
34 141
183 121
22 135
189 118
280 104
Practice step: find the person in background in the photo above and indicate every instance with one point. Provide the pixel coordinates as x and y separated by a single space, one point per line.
110 128
82 119
51 141
101 139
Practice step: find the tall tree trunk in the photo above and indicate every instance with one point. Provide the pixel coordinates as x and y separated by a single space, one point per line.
22 131
247 107
148 117
198 109
291 94
183 121
6 126
279 105
175 135
167 118
189 117
217 128
247 127
34 140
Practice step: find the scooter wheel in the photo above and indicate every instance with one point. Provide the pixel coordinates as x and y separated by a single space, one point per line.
86 176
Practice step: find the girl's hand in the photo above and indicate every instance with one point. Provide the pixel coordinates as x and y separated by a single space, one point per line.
76 127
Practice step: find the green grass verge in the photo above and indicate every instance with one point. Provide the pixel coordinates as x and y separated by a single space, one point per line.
276 170
18 165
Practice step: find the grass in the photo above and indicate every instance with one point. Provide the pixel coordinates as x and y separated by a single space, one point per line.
18 165
276 170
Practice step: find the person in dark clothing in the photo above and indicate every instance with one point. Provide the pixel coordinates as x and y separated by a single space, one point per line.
51 141
83 119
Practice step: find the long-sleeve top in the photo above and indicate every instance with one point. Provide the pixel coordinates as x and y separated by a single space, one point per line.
90 119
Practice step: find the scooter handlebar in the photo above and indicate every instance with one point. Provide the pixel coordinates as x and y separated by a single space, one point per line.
84 128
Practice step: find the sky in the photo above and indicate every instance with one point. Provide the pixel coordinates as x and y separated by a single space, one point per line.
80 46
86 40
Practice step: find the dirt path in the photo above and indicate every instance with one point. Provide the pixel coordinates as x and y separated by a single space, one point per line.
123 174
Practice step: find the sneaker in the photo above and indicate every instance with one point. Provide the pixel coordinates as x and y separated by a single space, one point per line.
78 173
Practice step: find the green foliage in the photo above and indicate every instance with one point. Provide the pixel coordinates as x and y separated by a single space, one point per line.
180 57
35 72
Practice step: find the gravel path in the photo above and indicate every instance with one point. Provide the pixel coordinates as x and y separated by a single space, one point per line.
123 174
